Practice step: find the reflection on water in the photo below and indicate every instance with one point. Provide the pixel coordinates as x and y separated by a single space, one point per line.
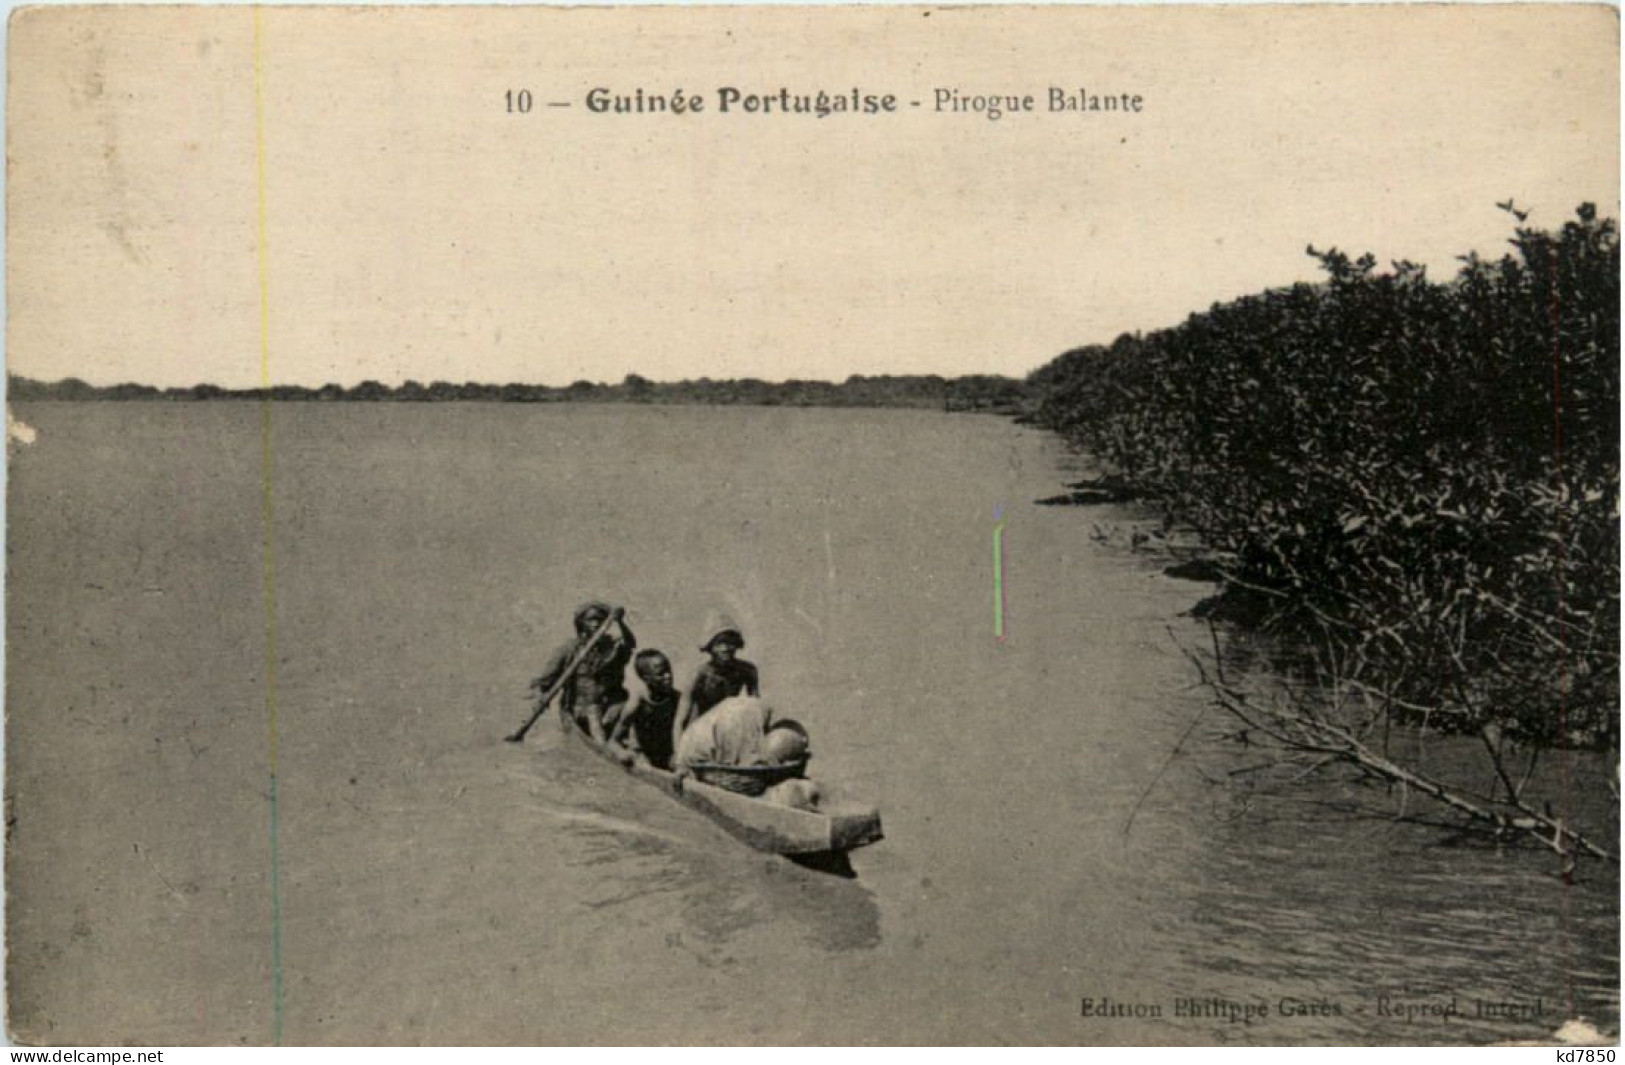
1415 931
723 889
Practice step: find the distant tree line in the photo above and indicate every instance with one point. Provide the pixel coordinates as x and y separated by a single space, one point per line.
973 393
1421 477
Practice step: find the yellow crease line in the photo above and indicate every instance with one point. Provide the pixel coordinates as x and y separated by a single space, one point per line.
263 250
267 555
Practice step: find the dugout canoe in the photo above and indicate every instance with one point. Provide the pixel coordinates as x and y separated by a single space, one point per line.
810 836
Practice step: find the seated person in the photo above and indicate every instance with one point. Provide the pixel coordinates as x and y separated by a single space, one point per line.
744 732
722 677
646 721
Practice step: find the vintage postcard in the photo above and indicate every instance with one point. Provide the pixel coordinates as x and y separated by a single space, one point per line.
812 525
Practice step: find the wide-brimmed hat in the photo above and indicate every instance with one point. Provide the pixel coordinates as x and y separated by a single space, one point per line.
591 607
720 625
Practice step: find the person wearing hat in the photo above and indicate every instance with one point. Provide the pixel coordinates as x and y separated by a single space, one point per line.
723 676
596 691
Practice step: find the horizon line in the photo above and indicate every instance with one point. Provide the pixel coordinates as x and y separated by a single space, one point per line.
15 377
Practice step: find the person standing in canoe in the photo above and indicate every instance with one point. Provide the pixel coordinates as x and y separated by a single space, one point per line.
723 676
597 688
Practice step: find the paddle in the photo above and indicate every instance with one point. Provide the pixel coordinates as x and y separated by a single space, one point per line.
569 671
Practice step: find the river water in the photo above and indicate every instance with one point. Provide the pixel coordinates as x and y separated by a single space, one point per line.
1052 871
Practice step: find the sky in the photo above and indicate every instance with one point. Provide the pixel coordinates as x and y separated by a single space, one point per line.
344 195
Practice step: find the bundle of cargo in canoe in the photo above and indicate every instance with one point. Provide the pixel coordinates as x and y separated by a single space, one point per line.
836 826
